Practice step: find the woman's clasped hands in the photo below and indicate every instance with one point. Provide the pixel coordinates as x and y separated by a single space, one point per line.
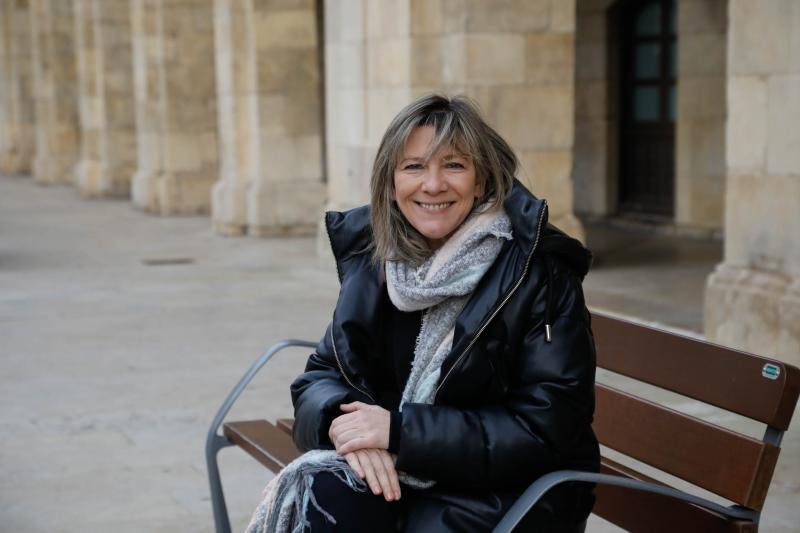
361 436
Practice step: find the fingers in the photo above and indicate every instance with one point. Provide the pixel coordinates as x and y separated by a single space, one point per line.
394 481
383 475
353 406
364 426
376 467
369 471
355 464
356 443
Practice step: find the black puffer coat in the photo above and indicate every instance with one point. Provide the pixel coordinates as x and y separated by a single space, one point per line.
516 398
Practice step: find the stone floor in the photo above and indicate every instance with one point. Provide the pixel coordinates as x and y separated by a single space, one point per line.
121 333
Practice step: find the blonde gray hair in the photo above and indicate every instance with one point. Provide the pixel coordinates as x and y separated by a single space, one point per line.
457 124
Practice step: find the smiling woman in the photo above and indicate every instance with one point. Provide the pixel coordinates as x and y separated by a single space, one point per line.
459 363
436 151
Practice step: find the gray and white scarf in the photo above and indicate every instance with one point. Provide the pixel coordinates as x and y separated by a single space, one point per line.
440 287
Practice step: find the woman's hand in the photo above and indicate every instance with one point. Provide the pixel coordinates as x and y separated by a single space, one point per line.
363 426
377 468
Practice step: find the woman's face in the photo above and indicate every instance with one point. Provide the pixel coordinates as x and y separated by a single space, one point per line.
435 197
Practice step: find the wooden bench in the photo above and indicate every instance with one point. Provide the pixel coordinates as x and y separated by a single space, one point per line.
736 467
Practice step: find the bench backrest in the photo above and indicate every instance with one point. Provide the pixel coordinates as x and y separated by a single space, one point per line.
732 465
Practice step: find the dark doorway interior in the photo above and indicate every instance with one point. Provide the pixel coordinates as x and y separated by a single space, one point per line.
647 107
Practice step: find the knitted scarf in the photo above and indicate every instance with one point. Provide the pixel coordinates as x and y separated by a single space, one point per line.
441 287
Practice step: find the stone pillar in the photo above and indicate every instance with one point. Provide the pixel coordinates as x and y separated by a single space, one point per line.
54 90
105 88
270 118
16 103
701 113
515 58
753 298
367 81
175 99
595 147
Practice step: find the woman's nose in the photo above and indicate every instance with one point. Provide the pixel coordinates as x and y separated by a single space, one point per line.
434 181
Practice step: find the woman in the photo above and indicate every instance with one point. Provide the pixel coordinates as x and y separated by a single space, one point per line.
459 364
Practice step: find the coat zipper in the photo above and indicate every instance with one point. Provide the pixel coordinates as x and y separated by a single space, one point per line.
341 368
499 307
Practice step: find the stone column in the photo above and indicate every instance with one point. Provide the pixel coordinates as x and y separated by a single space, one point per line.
701 113
16 102
54 90
175 99
595 117
515 58
753 297
270 118
367 81
105 87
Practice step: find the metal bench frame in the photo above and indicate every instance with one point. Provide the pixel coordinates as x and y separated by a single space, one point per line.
215 442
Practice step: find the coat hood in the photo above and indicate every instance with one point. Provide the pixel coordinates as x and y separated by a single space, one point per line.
522 206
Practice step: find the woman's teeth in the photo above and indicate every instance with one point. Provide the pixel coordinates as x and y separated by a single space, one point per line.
435 207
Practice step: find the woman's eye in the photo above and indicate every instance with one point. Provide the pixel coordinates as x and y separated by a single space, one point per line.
454 164
412 166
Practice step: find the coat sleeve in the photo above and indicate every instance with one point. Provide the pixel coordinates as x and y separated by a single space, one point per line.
547 410
317 394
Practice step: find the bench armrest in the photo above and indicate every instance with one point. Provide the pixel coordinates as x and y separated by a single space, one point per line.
539 488
215 441
237 391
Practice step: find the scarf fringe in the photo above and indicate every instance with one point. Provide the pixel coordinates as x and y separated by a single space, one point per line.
284 504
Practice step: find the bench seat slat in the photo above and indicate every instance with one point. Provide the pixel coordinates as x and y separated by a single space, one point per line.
266 443
698 369
285 425
734 466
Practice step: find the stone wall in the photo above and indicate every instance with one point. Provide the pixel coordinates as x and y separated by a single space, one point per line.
54 90
515 58
16 102
270 117
105 73
753 297
175 99
701 113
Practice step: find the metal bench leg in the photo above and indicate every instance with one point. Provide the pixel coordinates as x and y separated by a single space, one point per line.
222 523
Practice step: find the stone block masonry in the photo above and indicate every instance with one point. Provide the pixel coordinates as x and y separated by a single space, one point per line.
54 91
105 93
175 105
16 101
269 88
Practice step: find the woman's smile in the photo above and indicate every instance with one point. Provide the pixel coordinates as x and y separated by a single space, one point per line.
434 207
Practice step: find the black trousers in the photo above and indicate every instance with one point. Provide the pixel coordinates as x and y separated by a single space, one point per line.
421 512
